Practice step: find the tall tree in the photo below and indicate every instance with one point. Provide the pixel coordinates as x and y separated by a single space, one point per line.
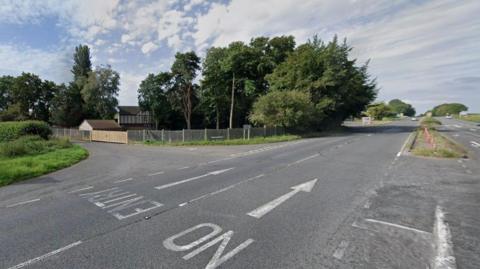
6 83
26 91
337 86
449 109
100 92
184 71
82 64
152 97
214 90
67 106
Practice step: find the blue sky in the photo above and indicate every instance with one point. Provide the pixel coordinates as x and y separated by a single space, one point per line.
423 52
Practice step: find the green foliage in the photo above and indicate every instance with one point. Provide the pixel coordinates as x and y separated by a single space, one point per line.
470 117
100 93
448 109
379 111
24 167
338 88
13 130
398 106
184 70
283 108
430 122
67 106
152 96
6 84
82 65
31 145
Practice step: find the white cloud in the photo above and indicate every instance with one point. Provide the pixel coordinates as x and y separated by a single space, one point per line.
129 84
149 47
50 65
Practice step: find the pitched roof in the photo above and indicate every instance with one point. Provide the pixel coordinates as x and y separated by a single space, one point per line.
129 110
104 124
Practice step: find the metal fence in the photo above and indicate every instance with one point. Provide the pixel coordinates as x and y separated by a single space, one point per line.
168 136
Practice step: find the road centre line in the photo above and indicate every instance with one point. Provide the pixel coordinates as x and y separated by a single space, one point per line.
183 168
214 173
22 203
156 173
123 180
220 190
82 189
305 159
39 258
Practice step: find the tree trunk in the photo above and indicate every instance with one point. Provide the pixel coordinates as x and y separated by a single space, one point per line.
232 102
218 117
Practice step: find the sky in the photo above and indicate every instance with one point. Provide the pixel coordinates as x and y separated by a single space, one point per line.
424 52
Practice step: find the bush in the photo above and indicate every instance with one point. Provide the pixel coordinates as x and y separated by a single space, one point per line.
12 130
31 145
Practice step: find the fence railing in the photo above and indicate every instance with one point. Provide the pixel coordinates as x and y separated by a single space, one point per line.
175 136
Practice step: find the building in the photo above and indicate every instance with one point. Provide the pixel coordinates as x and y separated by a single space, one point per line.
132 117
103 125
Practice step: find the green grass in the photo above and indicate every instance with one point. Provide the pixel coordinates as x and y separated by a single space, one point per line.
471 117
255 140
430 122
24 167
444 147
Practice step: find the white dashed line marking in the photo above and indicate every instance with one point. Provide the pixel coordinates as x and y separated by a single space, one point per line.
183 168
156 173
123 180
22 203
305 159
82 189
39 258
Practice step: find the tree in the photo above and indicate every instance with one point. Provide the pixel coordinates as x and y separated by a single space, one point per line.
82 65
152 96
379 111
214 90
26 91
6 83
67 106
184 71
100 92
398 106
449 109
338 87
283 108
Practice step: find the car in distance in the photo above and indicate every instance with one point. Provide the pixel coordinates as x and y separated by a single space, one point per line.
448 116
414 119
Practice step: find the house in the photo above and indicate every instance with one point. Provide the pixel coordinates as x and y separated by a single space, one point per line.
132 117
104 125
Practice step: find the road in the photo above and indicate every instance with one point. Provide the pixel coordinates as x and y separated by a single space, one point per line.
346 201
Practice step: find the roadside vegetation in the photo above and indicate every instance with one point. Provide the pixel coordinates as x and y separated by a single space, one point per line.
26 151
469 117
429 142
251 141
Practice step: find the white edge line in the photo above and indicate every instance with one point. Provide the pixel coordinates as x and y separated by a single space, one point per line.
444 257
39 258
82 189
156 173
402 149
397 226
123 180
24 202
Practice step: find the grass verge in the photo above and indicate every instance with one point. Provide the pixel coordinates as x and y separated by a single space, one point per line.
444 147
255 140
471 117
24 167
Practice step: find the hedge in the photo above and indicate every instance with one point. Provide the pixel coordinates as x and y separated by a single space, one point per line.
11 130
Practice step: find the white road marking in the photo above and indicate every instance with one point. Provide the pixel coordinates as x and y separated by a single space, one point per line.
214 173
220 190
39 258
397 226
473 130
22 203
305 159
444 258
183 168
123 180
340 251
82 189
475 144
156 173
264 209
402 149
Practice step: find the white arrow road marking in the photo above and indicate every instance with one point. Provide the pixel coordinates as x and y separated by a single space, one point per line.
264 209
214 173
475 144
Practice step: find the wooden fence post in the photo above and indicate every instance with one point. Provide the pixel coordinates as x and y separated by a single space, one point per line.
183 135
163 135
228 133
206 136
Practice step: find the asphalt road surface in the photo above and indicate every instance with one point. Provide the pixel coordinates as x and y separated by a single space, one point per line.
353 200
